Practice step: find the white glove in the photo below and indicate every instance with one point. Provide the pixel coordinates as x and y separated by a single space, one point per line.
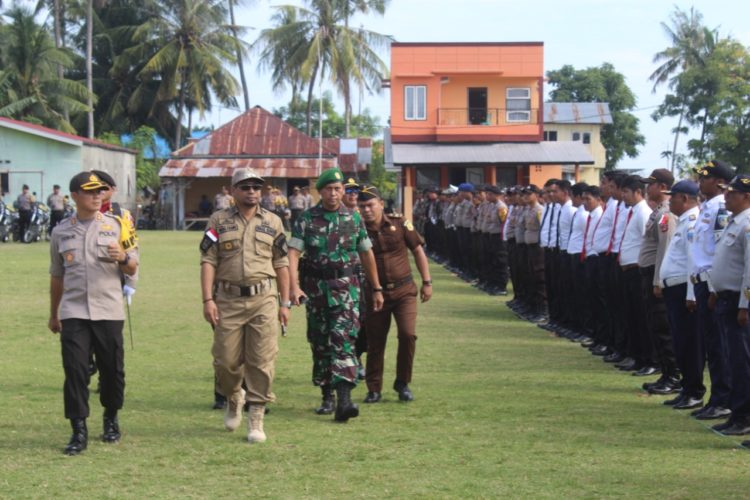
128 292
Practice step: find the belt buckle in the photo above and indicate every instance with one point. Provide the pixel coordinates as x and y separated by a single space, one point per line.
390 286
245 291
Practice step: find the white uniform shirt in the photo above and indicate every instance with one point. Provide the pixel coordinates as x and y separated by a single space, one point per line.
619 229
732 258
595 216
711 221
634 231
564 221
507 223
678 257
552 229
603 230
575 243
546 221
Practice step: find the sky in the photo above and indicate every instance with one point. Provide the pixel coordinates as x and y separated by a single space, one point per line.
582 33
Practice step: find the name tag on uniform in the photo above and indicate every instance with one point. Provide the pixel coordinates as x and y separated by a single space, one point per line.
266 229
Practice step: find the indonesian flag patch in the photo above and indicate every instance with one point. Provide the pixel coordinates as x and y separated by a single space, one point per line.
664 223
210 237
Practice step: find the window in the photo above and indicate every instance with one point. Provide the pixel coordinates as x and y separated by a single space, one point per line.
586 138
518 104
428 177
415 102
550 135
576 136
4 183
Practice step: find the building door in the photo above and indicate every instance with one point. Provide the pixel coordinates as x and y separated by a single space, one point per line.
478 106
475 175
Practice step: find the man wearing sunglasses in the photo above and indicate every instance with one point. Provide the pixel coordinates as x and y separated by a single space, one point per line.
244 272
86 306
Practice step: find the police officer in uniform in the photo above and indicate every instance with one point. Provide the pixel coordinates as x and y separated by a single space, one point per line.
244 271
392 237
86 306
56 204
333 240
730 278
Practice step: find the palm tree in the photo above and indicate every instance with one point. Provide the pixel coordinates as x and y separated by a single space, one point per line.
320 38
239 51
30 88
688 38
186 44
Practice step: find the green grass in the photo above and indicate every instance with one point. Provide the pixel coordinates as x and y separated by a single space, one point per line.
502 409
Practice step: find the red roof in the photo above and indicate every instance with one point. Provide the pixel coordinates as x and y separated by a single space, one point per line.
46 131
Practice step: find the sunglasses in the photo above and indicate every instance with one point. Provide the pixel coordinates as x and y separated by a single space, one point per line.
248 187
351 191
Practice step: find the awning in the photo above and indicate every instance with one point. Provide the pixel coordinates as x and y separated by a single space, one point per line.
299 168
549 153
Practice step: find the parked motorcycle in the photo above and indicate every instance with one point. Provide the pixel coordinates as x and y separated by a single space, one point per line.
6 222
38 224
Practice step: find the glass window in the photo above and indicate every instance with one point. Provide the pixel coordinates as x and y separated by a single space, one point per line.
415 102
550 135
586 138
518 104
576 136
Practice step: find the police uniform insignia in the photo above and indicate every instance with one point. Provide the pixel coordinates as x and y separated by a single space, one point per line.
69 257
209 238
408 225
265 228
393 229
337 175
281 244
664 223
722 219
106 227
692 217
228 245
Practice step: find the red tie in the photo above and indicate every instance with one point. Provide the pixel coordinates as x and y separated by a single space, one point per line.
600 219
630 216
585 235
612 236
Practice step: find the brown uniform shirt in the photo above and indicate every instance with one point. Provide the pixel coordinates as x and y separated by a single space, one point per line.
532 220
91 280
391 242
246 251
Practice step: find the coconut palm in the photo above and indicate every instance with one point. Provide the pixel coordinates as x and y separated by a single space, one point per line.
688 39
30 88
239 52
320 38
186 44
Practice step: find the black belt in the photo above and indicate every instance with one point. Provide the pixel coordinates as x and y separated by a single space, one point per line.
332 274
398 283
728 295
245 291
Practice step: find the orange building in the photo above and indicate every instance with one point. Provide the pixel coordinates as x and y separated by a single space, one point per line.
471 112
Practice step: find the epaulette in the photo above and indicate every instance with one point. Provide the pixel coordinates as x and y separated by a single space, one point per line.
395 215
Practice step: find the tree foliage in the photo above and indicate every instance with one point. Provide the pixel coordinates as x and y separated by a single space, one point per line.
602 84
295 114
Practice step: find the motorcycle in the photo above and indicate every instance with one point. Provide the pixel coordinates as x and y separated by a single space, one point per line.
6 222
38 224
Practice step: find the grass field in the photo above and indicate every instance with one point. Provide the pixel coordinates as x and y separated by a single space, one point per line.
502 409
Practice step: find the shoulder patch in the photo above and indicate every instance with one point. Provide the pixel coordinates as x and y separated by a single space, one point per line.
408 225
210 237
692 217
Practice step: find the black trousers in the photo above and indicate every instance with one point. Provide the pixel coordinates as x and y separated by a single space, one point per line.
79 337
465 247
688 345
453 248
597 286
635 314
738 343
617 303
522 272
580 317
55 217
565 289
497 256
24 220
715 347
550 279
512 269
660 337
537 291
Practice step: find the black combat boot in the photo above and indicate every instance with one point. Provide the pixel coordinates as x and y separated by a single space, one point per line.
111 427
79 438
329 401
345 409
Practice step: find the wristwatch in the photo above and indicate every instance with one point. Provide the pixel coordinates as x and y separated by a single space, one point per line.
287 304
125 261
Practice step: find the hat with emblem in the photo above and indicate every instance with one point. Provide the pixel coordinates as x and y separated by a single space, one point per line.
740 183
367 193
351 184
451 189
86 181
531 188
105 177
466 187
661 176
684 187
493 189
716 168
329 177
243 174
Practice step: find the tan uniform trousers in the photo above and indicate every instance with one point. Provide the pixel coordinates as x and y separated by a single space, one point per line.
246 342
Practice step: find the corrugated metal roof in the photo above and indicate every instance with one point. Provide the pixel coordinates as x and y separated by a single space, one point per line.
254 132
577 112
266 167
551 153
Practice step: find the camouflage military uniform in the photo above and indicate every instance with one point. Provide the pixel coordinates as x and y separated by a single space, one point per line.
331 241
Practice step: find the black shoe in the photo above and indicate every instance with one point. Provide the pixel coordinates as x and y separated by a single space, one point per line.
739 428
79 439
601 350
345 409
713 413
688 403
676 400
629 364
615 357
502 292
588 342
404 393
372 397
220 402
661 380
724 425
646 371
625 362
328 403
669 386
111 428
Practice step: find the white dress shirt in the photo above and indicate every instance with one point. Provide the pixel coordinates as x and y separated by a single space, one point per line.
575 243
595 216
678 259
603 230
635 227
619 229
564 221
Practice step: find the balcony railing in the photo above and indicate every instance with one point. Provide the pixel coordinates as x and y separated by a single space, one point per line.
485 116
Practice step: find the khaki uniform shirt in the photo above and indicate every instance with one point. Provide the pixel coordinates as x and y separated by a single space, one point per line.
495 217
91 279
391 241
56 202
520 223
532 223
297 202
659 230
246 252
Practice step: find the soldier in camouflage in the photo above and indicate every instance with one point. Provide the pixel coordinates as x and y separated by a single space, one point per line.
333 239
